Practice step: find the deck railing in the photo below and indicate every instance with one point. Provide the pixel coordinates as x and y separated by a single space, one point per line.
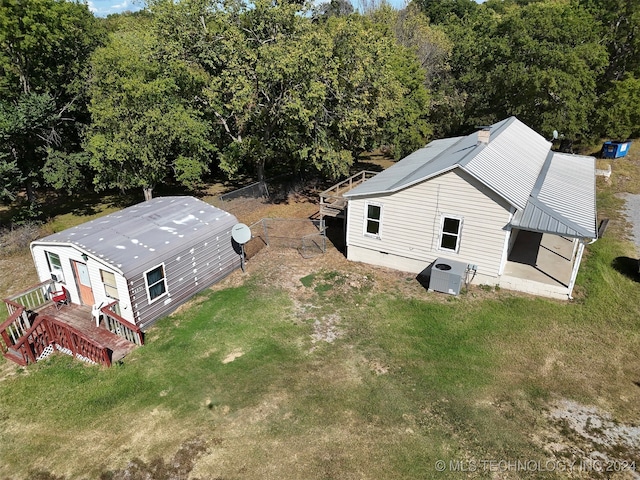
49 333
15 326
73 342
31 299
118 325
332 201
338 189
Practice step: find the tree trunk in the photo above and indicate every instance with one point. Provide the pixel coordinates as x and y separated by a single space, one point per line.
31 194
260 170
148 193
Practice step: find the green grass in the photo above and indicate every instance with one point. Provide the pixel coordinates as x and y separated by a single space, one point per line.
405 383
447 365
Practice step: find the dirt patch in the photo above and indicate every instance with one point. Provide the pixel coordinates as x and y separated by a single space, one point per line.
232 356
592 437
178 467
326 329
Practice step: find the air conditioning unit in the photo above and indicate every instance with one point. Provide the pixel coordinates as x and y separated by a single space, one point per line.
447 276
56 276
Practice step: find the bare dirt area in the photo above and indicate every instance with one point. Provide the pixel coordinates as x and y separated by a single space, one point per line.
590 442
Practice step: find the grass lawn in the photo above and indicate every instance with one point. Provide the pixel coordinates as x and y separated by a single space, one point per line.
337 379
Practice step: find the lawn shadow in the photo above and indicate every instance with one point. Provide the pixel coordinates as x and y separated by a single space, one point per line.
627 266
336 234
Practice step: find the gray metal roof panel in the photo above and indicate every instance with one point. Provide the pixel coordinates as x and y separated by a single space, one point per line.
134 237
417 166
511 162
563 199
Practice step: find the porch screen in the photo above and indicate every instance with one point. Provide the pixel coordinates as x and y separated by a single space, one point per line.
156 284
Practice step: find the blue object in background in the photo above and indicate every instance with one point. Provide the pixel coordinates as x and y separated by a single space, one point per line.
615 149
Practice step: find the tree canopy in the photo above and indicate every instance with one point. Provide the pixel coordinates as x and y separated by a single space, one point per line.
44 48
188 87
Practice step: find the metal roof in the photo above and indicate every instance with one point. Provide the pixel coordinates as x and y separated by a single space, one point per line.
563 199
143 234
509 164
551 192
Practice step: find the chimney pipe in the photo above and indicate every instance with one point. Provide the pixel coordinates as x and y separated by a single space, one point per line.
483 136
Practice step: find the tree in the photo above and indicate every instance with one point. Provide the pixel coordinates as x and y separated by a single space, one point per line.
539 62
26 130
145 130
43 48
548 56
441 11
618 114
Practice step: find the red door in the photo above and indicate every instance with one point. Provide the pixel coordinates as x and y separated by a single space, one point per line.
84 283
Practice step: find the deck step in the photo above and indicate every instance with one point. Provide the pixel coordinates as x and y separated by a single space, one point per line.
331 212
15 357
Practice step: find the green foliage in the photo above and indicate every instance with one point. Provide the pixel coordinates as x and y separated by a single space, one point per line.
44 45
539 62
619 109
145 130
441 11
294 95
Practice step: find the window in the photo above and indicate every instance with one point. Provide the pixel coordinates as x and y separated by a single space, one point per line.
110 289
55 267
372 222
450 228
54 261
109 282
156 283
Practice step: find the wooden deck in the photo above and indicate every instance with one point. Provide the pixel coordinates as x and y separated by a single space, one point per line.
332 202
79 317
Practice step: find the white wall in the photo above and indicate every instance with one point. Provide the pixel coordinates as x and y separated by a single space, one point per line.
410 227
67 254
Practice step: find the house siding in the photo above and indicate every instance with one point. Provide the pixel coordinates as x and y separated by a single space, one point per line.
410 227
187 271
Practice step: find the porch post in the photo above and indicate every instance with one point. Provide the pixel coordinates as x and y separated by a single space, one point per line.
505 251
575 246
576 266
507 240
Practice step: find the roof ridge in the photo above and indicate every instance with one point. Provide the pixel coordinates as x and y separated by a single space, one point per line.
446 150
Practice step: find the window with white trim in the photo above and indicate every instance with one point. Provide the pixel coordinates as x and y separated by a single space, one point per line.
450 229
109 282
373 219
156 283
54 261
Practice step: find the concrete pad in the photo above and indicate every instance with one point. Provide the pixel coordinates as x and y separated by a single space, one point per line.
539 264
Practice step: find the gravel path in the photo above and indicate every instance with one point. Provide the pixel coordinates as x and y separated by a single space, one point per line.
632 212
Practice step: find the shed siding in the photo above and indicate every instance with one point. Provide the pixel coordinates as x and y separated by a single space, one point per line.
410 227
187 272
67 254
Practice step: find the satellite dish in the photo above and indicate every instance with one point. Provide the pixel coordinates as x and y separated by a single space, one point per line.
555 134
241 233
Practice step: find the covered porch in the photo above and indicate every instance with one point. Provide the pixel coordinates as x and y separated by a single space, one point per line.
542 264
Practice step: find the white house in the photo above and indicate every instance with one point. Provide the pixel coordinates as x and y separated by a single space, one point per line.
499 200
149 257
